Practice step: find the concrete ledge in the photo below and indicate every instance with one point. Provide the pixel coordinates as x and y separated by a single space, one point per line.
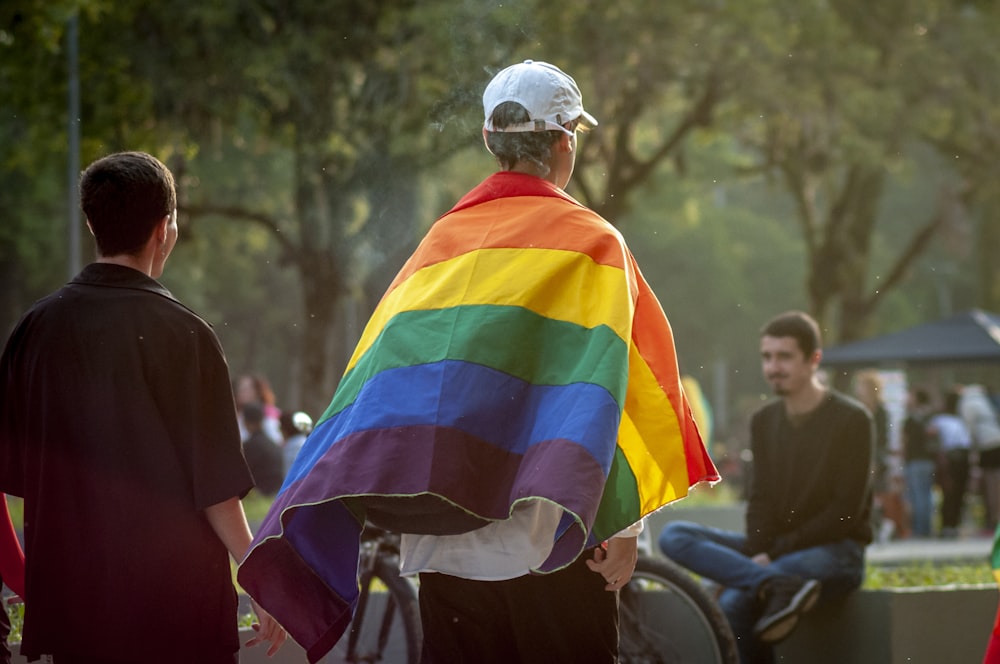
897 626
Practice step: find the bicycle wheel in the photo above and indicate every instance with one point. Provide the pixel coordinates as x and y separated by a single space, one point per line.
386 625
667 617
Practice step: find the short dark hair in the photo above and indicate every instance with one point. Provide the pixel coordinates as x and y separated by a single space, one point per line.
798 325
510 148
921 396
124 195
253 414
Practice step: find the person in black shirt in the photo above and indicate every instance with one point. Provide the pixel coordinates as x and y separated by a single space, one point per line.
262 454
118 428
919 454
809 506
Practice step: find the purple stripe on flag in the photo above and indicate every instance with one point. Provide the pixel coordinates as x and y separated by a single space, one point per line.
307 580
464 470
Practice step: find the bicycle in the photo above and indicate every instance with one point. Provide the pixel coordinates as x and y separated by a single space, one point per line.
386 625
666 616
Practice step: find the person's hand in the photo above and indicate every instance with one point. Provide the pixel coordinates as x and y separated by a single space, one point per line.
762 559
15 599
617 563
268 630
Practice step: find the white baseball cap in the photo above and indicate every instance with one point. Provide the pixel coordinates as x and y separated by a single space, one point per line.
549 94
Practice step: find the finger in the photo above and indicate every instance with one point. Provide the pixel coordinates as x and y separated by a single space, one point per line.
277 643
257 638
273 631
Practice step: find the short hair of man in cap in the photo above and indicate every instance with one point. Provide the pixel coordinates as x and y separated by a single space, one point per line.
528 108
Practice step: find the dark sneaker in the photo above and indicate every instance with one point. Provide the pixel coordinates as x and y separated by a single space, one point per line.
783 599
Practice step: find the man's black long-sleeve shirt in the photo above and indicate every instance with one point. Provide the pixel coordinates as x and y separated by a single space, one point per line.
812 479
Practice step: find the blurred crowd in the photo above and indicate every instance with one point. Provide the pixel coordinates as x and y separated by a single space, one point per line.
271 437
947 457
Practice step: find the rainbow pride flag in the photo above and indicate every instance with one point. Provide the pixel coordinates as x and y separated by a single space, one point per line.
519 354
992 655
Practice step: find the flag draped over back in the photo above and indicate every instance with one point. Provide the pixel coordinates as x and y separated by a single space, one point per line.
518 355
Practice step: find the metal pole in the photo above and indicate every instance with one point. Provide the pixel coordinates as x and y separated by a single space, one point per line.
73 129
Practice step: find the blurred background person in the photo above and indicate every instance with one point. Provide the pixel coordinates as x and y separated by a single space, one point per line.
889 507
954 443
253 388
918 461
980 417
294 429
262 454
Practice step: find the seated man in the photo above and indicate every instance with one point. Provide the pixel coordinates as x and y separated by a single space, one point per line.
809 506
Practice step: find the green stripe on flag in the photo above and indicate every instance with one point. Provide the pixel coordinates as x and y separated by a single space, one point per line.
550 352
620 502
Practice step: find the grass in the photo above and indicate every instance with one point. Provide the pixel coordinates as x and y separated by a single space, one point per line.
15 612
256 505
927 574
15 506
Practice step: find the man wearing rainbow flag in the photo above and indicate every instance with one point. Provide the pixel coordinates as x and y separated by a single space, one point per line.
513 407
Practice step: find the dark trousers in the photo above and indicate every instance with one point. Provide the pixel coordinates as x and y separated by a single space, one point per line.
953 488
565 616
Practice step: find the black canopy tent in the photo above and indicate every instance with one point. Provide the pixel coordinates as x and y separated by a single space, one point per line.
971 336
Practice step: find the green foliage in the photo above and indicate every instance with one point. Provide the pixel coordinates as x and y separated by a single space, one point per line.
758 155
15 614
15 507
722 256
255 505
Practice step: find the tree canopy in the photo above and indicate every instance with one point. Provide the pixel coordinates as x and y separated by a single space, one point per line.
759 155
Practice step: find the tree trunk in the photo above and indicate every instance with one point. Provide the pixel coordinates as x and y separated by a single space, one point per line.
322 294
839 271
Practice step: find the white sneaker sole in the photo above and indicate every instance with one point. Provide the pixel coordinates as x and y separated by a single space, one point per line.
781 624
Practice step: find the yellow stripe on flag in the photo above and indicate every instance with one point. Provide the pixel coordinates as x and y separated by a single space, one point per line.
516 277
651 439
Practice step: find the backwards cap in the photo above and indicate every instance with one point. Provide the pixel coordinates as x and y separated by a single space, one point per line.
550 96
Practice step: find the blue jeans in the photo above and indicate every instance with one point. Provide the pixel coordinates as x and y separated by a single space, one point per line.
919 476
722 556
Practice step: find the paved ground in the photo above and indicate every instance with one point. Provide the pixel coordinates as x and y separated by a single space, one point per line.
967 548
